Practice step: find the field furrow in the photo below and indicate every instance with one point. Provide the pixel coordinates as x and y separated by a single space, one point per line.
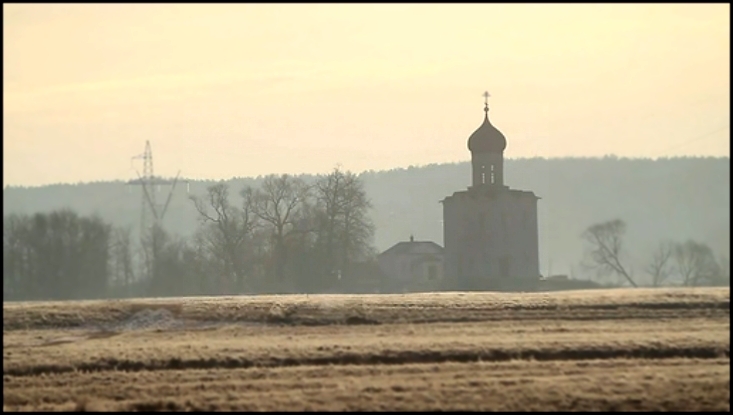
607 350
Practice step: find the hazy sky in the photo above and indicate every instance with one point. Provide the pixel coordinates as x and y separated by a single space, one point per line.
245 89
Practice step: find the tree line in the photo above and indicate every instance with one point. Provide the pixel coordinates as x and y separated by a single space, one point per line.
688 263
286 235
658 199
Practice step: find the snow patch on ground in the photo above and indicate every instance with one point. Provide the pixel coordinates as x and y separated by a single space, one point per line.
161 319
150 319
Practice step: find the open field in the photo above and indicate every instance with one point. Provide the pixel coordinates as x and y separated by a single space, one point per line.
641 349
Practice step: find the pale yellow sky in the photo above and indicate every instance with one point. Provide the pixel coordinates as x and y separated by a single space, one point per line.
245 89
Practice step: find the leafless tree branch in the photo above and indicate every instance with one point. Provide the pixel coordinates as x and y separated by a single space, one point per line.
605 241
659 267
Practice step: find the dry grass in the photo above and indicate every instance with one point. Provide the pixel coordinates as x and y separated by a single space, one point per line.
670 384
590 350
376 309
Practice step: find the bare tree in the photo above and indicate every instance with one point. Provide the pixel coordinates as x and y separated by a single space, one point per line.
281 203
121 256
225 230
330 206
345 227
660 266
724 263
605 249
725 267
16 266
695 263
177 268
358 228
56 255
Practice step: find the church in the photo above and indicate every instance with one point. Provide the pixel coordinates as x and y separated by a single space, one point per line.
490 231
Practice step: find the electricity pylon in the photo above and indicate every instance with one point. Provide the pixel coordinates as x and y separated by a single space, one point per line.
151 214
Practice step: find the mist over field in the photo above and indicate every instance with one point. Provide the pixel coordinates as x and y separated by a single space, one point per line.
676 199
366 207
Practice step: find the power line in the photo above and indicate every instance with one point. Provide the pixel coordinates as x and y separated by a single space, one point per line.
696 139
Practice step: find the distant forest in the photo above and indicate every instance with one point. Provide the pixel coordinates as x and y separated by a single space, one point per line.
674 199
284 236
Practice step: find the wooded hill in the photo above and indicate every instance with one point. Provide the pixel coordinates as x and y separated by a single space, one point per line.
676 198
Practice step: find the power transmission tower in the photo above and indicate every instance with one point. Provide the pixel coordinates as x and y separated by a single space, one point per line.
151 214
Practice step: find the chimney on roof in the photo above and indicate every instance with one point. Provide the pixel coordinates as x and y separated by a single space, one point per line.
412 238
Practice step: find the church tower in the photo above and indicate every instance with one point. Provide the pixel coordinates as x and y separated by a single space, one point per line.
490 231
487 145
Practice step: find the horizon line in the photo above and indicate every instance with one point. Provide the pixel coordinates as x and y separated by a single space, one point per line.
255 177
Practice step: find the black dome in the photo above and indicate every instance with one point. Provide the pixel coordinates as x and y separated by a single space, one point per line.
487 139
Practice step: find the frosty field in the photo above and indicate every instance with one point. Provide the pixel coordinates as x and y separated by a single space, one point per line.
626 349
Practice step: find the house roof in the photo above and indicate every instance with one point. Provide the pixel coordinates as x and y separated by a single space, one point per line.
413 247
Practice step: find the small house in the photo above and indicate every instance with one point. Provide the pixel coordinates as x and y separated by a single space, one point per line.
412 266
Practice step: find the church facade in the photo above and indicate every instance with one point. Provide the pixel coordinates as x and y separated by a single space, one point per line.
490 231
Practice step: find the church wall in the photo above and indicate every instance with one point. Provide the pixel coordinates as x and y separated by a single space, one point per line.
489 234
520 216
